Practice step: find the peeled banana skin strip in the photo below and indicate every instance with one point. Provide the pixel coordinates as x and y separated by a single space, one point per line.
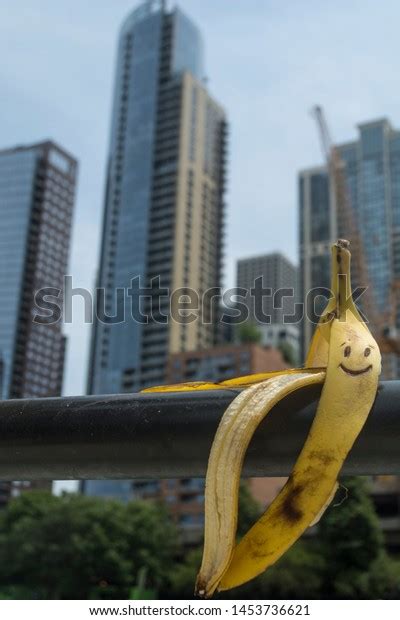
236 383
224 467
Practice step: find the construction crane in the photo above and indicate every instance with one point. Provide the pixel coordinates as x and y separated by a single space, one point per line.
382 323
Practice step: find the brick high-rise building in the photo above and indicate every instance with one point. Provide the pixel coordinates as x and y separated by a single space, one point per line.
223 362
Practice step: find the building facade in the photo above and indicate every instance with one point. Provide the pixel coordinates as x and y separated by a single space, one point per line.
372 171
223 362
37 192
164 203
279 278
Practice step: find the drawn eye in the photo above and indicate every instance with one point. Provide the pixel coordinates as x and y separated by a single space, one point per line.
347 351
367 351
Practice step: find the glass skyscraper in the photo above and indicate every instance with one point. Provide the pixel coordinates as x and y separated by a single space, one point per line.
164 200
37 191
164 209
372 170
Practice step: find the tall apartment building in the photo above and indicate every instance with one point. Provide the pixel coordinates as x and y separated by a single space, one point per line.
164 200
37 189
372 169
277 274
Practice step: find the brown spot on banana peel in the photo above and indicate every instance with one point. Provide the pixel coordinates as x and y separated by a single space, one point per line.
324 458
289 509
257 554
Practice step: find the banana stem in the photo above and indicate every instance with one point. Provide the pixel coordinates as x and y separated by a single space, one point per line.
344 276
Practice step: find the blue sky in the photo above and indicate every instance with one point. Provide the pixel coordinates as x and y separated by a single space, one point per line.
267 62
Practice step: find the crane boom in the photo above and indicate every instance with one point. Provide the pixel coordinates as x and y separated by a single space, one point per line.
347 219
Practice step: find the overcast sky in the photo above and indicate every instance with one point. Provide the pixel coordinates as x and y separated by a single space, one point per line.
267 62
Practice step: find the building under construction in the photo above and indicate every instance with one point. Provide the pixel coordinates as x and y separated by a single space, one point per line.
355 196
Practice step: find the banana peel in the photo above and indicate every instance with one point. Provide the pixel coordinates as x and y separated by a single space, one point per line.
347 396
238 383
344 346
227 454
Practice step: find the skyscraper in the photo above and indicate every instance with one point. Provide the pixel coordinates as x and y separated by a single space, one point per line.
372 170
37 189
278 277
164 201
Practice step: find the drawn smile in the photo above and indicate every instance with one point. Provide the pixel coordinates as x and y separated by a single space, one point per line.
354 373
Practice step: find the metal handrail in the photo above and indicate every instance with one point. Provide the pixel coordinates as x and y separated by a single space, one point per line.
170 435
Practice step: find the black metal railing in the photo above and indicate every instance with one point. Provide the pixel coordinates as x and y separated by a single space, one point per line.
170 435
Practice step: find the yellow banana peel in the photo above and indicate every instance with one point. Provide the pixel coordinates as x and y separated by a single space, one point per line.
347 397
238 383
224 468
344 346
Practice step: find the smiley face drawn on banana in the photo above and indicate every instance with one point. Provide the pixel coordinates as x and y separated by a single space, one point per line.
356 354
357 358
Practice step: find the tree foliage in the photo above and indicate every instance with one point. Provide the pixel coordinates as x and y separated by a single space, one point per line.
80 547
248 333
288 353
356 562
249 510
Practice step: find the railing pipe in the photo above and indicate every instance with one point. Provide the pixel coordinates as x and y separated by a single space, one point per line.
170 435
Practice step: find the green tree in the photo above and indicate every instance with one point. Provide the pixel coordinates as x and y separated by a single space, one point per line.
80 547
183 576
249 510
288 353
248 333
357 565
